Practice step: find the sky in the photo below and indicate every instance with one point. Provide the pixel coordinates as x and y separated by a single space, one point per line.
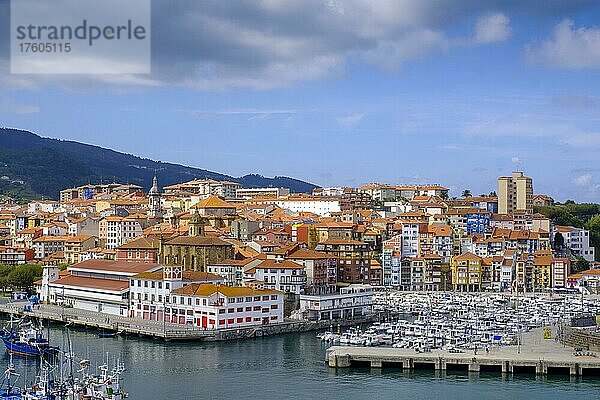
344 93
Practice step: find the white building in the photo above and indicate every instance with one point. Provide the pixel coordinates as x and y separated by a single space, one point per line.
47 206
323 207
44 246
391 257
94 285
121 230
578 240
82 226
352 301
205 187
252 193
410 239
223 307
282 275
232 271
150 292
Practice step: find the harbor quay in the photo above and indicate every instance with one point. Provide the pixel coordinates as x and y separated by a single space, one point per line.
164 330
535 356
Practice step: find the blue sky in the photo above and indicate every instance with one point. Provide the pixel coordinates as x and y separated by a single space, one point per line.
348 92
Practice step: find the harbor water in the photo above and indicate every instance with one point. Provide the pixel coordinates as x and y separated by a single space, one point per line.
288 367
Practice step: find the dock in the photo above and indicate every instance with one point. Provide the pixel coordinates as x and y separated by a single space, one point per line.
536 356
161 330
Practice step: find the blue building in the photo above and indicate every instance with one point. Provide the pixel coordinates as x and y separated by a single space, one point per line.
477 221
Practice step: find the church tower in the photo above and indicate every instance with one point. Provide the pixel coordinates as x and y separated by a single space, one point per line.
196 225
154 206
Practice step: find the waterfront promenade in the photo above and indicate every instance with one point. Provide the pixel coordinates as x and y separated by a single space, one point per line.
163 330
535 355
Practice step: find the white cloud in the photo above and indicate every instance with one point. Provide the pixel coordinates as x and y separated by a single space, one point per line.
583 180
213 45
516 160
350 121
492 28
569 48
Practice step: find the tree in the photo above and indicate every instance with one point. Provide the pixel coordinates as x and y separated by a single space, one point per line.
559 241
23 276
581 265
593 226
493 194
466 193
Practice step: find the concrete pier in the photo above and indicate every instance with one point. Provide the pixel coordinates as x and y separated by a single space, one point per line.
536 356
344 357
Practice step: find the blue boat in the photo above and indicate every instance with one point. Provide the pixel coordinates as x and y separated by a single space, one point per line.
28 341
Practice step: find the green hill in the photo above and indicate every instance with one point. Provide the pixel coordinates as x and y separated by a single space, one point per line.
32 166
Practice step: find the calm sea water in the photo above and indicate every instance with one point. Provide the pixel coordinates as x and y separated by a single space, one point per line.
290 367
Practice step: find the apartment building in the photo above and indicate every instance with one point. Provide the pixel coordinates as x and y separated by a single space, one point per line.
515 193
577 240
252 193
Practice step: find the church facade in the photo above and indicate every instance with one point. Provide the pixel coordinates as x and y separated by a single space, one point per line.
196 250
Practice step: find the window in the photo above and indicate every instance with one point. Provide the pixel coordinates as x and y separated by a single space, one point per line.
248 308
248 319
230 310
197 302
256 308
240 320
167 285
256 298
230 321
160 285
222 311
265 298
248 299
274 307
221 322
274 297
153 284
145 283
160 298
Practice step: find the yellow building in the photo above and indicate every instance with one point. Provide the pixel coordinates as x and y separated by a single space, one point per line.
466 272
76 245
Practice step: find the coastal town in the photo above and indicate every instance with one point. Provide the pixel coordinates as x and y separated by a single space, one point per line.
212 255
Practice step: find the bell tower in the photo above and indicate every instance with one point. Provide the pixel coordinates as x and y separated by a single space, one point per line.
196 225
154 206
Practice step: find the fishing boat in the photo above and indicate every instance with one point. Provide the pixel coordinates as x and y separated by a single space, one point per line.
27 340
7 389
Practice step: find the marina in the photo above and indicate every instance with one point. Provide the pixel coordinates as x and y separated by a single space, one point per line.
537 356
463 322
294 365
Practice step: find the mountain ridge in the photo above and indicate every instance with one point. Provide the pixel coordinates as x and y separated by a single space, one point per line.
32 166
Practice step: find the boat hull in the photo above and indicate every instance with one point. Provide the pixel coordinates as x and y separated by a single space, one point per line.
26 350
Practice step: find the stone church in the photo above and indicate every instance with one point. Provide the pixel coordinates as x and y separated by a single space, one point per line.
196 250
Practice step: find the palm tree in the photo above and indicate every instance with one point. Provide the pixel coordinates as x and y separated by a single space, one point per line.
466 193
